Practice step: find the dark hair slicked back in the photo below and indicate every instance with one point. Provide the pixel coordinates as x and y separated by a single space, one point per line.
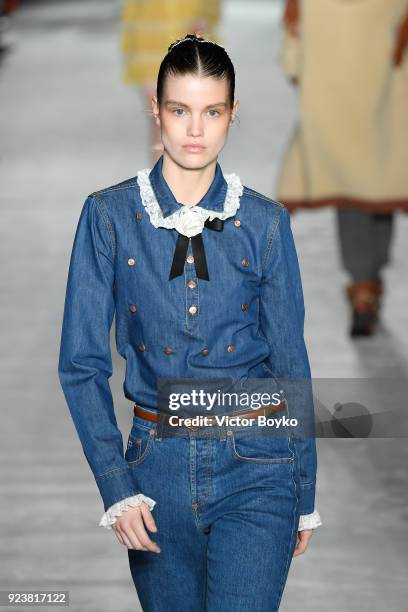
196 55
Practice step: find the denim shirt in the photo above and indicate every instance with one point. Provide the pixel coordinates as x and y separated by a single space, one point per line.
245 321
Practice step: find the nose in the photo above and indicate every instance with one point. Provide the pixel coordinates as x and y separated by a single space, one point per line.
195 127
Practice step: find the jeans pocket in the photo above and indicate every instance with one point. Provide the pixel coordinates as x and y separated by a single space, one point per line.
254 448
140 444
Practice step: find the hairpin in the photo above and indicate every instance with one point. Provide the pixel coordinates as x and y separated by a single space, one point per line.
196 39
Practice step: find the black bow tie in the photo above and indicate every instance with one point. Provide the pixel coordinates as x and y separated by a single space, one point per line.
197 245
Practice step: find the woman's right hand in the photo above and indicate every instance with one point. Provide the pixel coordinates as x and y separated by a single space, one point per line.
130 528
291 16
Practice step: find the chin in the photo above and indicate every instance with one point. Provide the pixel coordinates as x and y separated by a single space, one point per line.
192 160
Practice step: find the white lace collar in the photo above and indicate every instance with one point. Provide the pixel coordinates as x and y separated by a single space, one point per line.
188 219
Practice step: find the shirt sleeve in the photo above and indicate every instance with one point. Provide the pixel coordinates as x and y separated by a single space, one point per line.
282 315
116 510
85 363
309 521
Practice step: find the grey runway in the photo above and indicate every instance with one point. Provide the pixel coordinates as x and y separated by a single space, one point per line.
69 127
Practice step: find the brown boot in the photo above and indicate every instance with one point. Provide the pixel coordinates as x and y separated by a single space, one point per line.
365 301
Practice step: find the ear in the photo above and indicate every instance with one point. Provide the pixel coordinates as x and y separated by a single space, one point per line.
234 111
155 110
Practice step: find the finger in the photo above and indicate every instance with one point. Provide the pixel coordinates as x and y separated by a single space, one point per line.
302 541
148 517
296 551
115 529
140 532
130 540
135 543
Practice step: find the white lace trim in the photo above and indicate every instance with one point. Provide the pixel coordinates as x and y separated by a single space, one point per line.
309 521
121 506
149 201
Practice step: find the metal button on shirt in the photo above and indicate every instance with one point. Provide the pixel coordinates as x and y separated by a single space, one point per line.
182 328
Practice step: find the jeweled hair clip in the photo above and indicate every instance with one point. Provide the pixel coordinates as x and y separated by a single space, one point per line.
197 39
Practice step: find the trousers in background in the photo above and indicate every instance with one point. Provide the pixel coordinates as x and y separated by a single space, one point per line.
227 515
365 240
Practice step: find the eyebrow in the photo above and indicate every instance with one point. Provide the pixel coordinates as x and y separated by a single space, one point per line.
168 102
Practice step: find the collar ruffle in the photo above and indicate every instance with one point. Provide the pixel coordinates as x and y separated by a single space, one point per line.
149 201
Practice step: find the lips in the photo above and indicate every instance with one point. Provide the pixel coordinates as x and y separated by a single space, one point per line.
194 147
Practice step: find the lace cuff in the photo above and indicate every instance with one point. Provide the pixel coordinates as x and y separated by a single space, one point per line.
309 521
121 506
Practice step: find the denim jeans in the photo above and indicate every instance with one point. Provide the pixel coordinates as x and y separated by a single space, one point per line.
227 513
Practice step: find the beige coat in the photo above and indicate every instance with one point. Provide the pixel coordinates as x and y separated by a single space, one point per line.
350 147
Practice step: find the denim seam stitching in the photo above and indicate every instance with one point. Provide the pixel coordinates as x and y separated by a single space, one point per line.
255 194
144 454
288 559
119 469
115 188
104 214
271 237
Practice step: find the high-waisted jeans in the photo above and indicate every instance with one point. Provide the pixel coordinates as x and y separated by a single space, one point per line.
226 514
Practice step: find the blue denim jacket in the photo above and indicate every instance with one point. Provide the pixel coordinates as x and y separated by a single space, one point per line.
248 320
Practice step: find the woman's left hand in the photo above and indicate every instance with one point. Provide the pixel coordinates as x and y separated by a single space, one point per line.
303 538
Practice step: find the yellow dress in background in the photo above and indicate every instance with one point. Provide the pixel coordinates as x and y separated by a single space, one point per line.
148 27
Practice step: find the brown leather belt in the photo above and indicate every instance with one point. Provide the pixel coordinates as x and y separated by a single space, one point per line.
264 411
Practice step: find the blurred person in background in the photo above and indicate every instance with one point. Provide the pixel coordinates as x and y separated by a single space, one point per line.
350 147
147 29
7 7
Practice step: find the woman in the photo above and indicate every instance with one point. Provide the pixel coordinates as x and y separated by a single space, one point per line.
349 149
147 29
204 278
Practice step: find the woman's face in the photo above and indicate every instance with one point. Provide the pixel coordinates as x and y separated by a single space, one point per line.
194 111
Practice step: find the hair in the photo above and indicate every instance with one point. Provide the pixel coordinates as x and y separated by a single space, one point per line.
196 55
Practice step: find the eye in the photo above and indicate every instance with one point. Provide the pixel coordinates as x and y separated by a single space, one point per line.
176 113
214 111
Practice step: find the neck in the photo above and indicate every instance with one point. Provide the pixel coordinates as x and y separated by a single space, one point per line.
188 185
